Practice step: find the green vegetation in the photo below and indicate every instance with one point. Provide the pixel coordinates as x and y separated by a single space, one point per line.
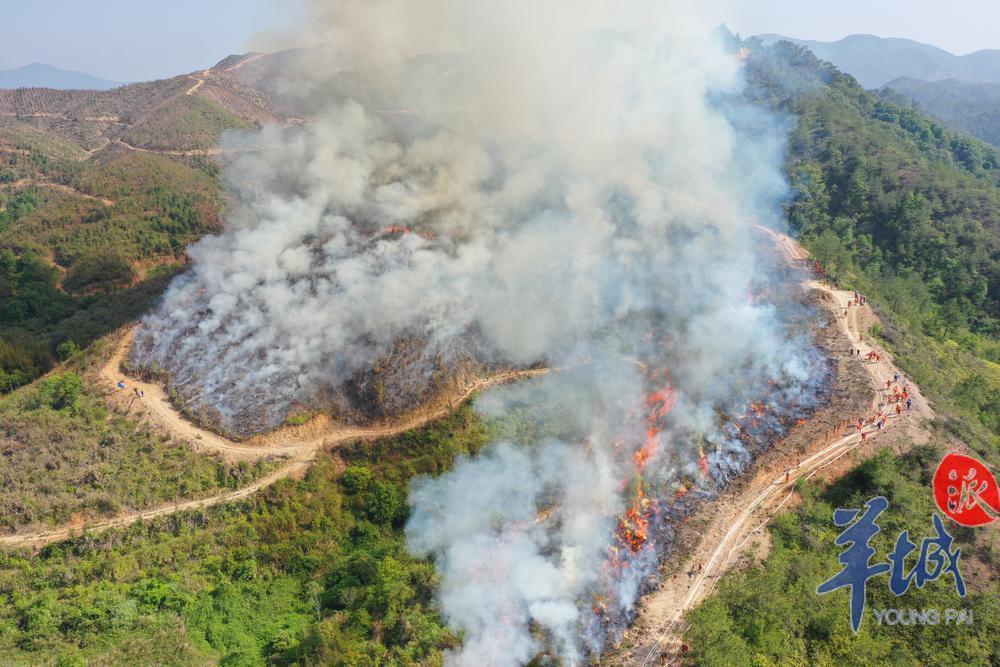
70 265
899 208
65 453
187 122
99 271
159 207
18 206
969 106
39 145
36 317
307 572
771 614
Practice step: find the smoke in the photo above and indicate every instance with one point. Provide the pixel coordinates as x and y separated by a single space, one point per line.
507 183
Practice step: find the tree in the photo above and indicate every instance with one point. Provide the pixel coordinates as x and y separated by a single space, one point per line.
60 392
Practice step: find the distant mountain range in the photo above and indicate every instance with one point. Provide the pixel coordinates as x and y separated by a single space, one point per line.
875 61
40 75
962 91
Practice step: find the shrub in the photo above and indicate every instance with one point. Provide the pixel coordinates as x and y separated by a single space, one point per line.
60 392
67 350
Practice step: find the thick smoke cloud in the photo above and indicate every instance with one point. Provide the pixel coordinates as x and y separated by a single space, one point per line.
579 185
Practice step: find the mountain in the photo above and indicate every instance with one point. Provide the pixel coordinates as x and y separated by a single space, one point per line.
40 75
875 61
962 105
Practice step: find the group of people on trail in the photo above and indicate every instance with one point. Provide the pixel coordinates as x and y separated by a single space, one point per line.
872 356
895 396
859 300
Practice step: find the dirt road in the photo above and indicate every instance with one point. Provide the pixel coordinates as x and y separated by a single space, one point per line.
655 638
66 189
299 445
41 538
199 82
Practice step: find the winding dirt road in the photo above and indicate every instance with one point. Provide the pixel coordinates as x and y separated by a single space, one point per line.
656 637
199 81
299 445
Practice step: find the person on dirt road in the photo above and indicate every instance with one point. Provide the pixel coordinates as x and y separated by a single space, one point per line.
909 403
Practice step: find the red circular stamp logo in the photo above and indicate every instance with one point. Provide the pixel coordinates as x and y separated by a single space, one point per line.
966 491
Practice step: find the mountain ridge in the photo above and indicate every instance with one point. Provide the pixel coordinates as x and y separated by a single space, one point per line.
875 61
42 75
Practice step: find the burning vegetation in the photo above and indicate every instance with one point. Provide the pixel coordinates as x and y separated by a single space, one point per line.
585 200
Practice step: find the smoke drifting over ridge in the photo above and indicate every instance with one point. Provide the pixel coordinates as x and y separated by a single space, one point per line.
565 182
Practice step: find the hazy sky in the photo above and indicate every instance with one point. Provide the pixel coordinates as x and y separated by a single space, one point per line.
128 40
132 40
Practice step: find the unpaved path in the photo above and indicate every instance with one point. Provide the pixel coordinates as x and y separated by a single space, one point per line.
193 152
243 62
65 189
199 82
299 445
655 638
41 538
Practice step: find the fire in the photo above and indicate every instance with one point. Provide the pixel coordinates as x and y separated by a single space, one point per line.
395 229
660 403
703 462
647 450
633 527
401 230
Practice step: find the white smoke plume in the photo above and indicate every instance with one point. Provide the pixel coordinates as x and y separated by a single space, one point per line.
578 187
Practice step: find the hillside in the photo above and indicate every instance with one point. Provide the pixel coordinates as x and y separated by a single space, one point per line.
143 112
101 191
875 61
900 209
972 107
40 75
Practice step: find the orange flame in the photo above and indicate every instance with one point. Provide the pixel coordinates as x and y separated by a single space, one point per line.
395 229
634 526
